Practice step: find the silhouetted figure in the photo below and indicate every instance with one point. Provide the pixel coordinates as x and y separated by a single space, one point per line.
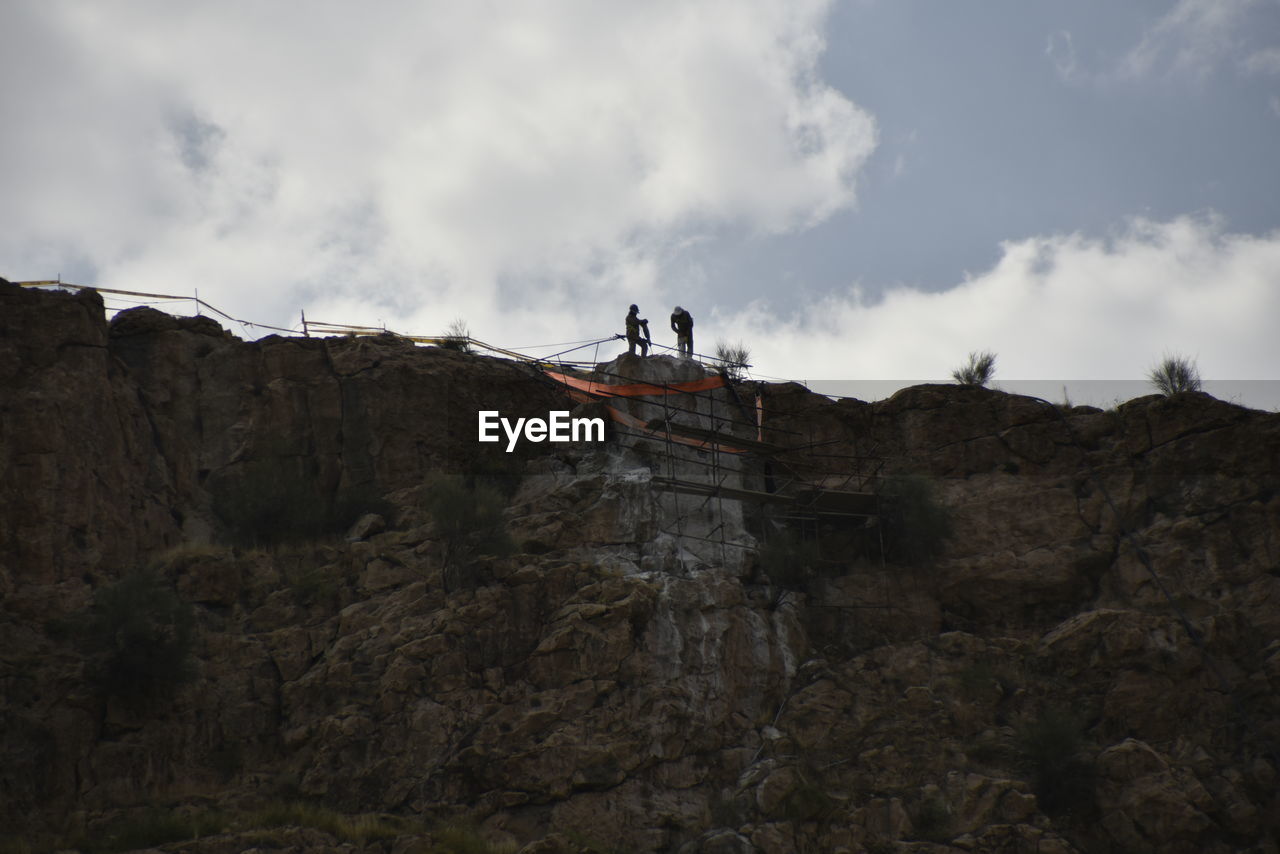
636 323
682 326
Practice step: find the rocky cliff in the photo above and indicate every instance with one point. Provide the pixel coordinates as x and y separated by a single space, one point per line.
1088 662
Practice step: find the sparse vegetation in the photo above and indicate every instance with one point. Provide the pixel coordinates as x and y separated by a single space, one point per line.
311 582
1050 747
497 469
152 828
979 370
14 845
788 560
585 845
932 820
915 524
808 801
1175 375
457 336
734 359
468 519
139 634
360 829
458 839
160 826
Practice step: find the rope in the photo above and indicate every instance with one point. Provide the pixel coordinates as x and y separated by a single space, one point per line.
173 297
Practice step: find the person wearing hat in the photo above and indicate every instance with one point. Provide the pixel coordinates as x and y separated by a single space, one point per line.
635 323
682 326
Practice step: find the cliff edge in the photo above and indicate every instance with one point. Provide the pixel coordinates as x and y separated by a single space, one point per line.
667 647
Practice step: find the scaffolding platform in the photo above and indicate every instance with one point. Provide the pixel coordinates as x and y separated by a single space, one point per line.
693 487
805 501
836 502
715 437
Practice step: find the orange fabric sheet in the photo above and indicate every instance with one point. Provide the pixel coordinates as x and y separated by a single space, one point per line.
635 389
583 391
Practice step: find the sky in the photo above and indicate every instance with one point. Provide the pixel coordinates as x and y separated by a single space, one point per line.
854 190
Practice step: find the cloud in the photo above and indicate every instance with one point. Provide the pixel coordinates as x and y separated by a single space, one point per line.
1061 51
1058 306
1190 40
515 165
1262 62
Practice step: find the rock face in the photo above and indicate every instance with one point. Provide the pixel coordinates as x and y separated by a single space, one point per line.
643 500
1091 663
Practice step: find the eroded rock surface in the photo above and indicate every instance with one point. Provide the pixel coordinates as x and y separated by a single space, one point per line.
1091 663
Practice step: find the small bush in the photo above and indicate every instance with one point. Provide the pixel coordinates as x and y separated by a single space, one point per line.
1050 747
139 634
152 828
933 820
788 560
808 801
457 336
733 359
979 370
311 583
360 829
468 519
458 839
1174 375
914 524
494 468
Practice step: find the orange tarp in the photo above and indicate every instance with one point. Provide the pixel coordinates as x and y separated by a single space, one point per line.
585 390
635 389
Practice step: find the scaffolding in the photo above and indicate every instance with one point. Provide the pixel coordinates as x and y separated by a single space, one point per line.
778 469
786 476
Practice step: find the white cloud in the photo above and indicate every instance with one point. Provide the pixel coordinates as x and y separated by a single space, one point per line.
513 164
1191 39
1061 51
1262 62
1062 306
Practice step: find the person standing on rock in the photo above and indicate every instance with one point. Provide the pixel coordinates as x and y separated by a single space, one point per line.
682 326
636 323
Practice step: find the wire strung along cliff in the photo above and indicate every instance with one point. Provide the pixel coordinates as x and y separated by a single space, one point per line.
277 595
